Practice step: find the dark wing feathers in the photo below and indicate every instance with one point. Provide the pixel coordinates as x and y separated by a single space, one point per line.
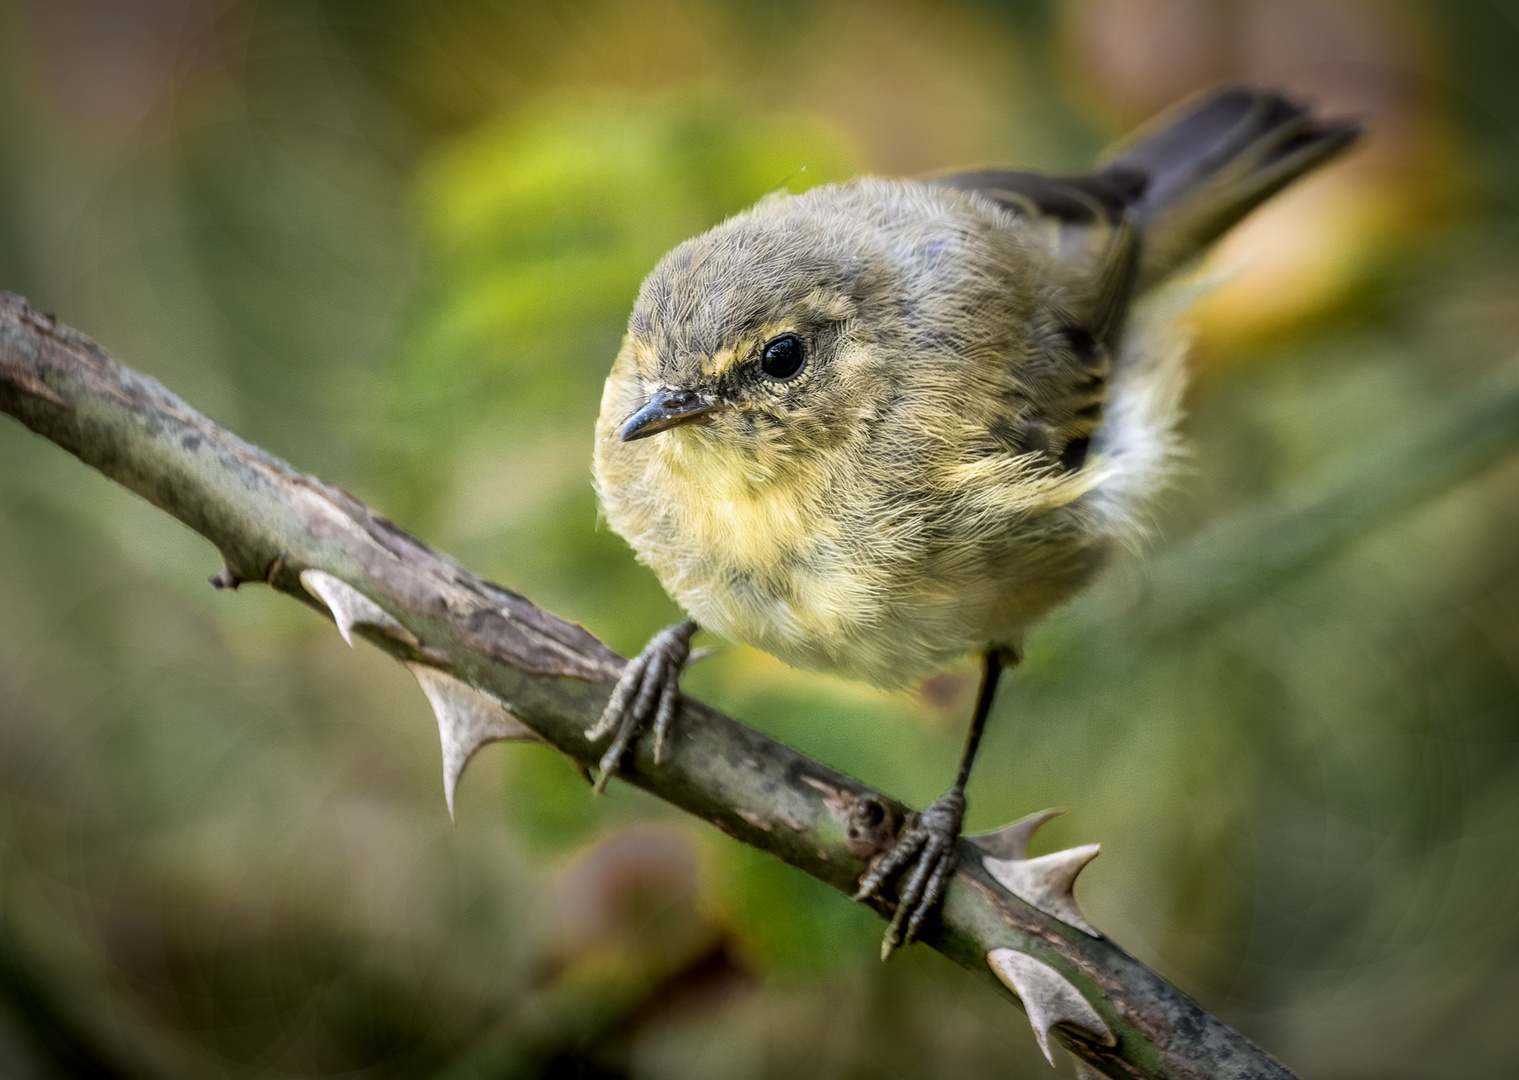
1186 178
1210 164
1167 195
1076 200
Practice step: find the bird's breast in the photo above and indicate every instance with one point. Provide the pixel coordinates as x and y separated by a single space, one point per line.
754 555
858 572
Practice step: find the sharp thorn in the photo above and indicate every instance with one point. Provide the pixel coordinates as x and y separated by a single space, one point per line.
1011 841
352 608
1047 883
467 720
1048 997
1060 868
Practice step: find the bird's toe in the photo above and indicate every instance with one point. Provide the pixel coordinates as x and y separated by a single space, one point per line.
922 859
647 691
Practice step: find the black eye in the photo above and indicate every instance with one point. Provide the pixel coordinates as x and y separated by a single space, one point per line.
783 357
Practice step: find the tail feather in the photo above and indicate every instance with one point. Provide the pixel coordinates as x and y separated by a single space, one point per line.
1200 172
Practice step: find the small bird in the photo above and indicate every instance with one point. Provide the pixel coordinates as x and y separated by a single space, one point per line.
882 425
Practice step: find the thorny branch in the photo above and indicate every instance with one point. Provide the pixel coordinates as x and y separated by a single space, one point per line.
272 524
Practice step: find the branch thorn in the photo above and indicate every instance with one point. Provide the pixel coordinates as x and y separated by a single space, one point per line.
1048 997
1047 883
352 608
467 720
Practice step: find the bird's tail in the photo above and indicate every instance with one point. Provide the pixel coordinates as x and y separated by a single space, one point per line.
1205 165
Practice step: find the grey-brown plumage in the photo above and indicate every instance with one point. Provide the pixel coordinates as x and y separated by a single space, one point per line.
881 425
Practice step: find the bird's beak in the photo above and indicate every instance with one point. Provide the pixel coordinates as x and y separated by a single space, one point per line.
665 409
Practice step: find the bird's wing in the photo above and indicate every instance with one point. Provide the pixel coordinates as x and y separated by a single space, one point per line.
1165 197
1101 198
1185 179
1093 241
1090 228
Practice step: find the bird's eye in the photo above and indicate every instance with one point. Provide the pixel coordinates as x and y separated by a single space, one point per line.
783 357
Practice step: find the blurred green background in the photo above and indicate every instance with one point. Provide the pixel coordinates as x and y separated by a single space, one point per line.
396 243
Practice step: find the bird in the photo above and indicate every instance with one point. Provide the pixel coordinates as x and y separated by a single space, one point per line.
881 426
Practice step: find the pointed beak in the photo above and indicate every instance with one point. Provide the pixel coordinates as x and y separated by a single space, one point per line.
666 409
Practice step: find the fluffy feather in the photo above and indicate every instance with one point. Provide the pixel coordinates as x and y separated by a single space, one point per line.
979 418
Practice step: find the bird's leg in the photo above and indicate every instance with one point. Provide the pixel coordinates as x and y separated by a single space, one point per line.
924 854
649 689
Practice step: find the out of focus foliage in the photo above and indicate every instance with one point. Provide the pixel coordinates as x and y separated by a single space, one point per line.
397 243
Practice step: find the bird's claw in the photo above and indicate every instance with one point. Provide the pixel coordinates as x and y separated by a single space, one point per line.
649 689
925 855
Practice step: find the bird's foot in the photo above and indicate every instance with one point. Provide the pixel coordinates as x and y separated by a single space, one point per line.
923 859
649 690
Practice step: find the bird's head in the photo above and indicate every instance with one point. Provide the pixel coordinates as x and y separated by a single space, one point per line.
751 347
